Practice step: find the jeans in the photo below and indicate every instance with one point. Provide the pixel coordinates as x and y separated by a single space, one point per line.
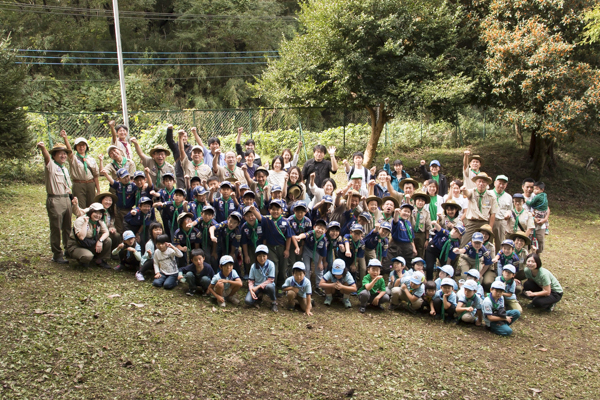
269 290
502 328
168 282
190 277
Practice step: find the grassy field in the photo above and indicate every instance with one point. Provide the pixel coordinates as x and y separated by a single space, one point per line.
73 333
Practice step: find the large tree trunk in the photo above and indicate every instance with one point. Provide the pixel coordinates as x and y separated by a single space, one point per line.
378 120
519 133
541 150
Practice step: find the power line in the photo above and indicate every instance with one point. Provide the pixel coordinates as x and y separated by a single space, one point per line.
99 12
138 65
153 78
145 52
147 58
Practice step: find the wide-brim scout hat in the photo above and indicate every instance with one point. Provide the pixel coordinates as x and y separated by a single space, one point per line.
96 207
100 196
59 147
522 235
184 215
295 191
158 147
409 180
451 203
261 169
486 228
482 175
421 195
353 193
476 157
374 198
392 199
232 179
81 140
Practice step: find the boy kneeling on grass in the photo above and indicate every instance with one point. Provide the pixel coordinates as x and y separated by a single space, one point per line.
128 252
469 304
298 288
444 302
261 279
198 273
225 283
495 316
338 280
373 287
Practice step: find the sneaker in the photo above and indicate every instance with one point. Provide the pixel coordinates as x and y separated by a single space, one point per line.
347 303
354 294
223 304
104 264
547 232
274 307
59 259
328 300
119 268
319 291
139 276
190 292
233 300
551 308
362 309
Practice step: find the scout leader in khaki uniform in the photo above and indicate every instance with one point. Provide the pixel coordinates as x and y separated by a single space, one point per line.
409 186
118 161
230 170
84 171
58 203
471 166
89 238
195 167
482 207
156 162
500 225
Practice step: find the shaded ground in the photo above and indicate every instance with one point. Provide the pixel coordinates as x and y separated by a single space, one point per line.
65 334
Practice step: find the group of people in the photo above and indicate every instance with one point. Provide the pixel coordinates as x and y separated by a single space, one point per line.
459 250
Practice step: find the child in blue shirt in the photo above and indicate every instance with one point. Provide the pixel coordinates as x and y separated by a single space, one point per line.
403 234
171 209
376 243
251 238
139 220
226 236
315 251
334 240
198 274
128 252
444 302
203 223
510 287
261 279
199 201
495 316
395 277
354 254
506 256
468 305
300 224
397 175
338 280
278 238
125 191
186 238
474 276
474 255
409 295
441 246
298 289
144 189
225 283
226 204
446 271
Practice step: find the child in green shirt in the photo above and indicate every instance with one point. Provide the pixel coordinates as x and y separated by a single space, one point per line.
373 287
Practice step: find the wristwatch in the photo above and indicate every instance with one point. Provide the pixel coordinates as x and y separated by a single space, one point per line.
101 241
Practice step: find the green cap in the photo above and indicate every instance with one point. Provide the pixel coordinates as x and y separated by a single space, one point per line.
502 178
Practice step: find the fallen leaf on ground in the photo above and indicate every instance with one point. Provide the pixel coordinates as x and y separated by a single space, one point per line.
137 305
112 296
38 311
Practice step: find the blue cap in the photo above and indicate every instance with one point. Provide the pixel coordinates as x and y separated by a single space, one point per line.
261 248
498 285
320 221
399 259
477 237
277 202
299 265
386 225
366 216
474 273
145 199
338 266
518 196
373 262
247 209
417 278
447 269
407 205
237 215
509 243
180 190
510 268
470 285
275 188
168 175
199 191
226 183
139 174
447 282
243 186
128 235
435 162
416 260
249 193
299 204
334 224
195 178
226 260
357 227
327 199
122 173
208 207
461 229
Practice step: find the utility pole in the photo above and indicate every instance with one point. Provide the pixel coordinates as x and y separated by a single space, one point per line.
120 61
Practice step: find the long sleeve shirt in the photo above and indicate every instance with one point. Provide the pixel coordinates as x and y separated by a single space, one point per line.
165 262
